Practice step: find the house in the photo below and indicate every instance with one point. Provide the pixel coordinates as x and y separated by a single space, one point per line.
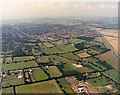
20 75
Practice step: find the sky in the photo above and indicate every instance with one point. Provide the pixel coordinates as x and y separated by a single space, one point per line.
23 9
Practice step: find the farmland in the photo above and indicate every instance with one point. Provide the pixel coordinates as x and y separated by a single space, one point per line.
44 87
19 65
47 44
58 58
38 75
54 71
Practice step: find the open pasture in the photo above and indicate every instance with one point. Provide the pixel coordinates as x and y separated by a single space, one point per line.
19 65
43 59
42 87
52 50
59 43
110 58
84 54
75 41
12 80
54 71
70 56
23 58
47 44
38 74
68 48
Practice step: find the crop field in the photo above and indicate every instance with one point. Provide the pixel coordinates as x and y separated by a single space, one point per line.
11 80
19 65
7 90
75 41
92 52
43 87
110 58
84 69
47 44
68 67
55 58
38 75
43 59
8 60
52 50
95 62
100 81
82 55
54 71
70 56
113 73
68 48
24 58
59 43
66 85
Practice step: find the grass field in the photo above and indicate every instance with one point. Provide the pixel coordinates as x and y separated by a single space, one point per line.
99 81
42 87
54 71
70 56
95 62
68 67
67 87
55 58
8 59
113 73
7 90
11 80
75 41
43 59
19 65
68 48
52 50
84 69
39 74
110 58
59 43
84 54
47 44
24 58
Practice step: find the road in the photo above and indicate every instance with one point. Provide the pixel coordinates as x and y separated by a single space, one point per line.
110 46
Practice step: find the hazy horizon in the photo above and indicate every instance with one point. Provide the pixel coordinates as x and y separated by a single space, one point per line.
26 10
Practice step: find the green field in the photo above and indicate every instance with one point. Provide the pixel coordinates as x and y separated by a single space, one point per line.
8 90
100 81
39 74
42 87
19 65
54 71
8 59
59 43
75 41
70 56
68 48
24 58
47 44
55 58
52 50
113 73
84 69
66 85
11 80
43 59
